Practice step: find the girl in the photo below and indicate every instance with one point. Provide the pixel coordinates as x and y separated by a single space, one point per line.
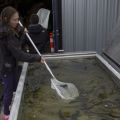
10 53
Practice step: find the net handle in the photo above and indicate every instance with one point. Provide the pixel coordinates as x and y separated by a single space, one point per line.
31 41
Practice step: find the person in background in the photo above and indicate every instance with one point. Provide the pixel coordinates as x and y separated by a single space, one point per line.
11 35
38 34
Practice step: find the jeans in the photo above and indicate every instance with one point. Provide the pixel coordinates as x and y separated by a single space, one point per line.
10 85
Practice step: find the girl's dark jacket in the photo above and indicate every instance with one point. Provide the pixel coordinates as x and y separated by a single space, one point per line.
10 49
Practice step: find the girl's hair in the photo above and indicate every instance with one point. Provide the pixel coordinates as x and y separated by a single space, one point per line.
7 13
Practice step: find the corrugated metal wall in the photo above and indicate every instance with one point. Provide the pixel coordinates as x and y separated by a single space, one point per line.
87 23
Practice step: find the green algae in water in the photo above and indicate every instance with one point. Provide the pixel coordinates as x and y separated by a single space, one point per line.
99 97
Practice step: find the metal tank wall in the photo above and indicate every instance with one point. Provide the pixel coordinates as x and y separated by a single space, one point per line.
87 23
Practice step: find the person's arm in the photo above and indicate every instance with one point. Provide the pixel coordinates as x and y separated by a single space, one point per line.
21 55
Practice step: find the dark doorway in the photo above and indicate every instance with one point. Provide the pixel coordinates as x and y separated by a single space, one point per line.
28 7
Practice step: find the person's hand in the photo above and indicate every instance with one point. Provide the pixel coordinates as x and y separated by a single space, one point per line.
27 48
25 30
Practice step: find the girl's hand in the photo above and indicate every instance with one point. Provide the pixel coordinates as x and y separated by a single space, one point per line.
25 30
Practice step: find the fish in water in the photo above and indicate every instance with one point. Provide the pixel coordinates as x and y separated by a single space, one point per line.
64 86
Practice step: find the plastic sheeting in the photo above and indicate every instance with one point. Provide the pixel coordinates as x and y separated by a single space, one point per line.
43 17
